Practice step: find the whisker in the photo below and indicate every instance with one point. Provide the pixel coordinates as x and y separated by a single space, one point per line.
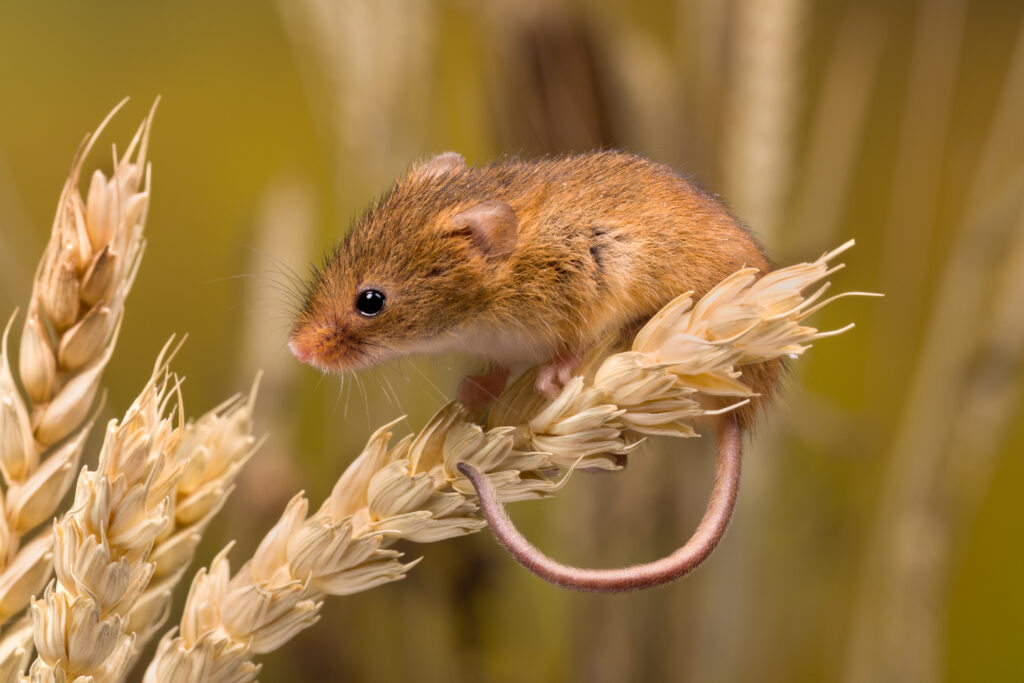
386 386
285 269
440 394
341 387
366 398
347 391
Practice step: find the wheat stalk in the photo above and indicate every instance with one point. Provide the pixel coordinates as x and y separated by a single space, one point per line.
68 337
413 490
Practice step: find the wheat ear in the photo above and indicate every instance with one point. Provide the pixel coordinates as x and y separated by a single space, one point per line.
102 545
69 334
413 490
212 451
132 530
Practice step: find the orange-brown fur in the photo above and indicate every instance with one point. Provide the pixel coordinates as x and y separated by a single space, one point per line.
605 239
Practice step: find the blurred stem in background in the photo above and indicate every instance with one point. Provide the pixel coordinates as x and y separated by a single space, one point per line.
915 199
950 429
836 131
366 69
282 235
763 104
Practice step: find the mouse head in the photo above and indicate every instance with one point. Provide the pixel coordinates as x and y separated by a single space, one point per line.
416 270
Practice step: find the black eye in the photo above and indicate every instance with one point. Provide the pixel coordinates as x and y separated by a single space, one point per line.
370 302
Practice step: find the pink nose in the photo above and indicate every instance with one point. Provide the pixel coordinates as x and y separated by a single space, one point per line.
299 351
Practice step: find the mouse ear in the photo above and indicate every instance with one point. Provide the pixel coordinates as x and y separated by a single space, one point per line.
446 162
494 226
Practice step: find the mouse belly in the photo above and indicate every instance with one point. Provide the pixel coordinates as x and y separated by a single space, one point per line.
513 349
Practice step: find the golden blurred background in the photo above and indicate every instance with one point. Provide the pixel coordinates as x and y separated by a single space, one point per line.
878 533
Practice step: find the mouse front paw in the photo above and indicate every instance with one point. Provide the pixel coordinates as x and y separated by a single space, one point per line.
554 374
479 391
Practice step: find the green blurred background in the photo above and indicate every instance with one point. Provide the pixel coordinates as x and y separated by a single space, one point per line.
878 534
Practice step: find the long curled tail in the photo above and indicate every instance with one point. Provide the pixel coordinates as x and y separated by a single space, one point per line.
703 541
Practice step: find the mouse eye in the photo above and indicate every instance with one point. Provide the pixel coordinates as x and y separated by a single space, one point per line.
370 302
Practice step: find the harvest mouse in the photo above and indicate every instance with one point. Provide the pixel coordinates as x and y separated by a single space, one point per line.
522 262
518 263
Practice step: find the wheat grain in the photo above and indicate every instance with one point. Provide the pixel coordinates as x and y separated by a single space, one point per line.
15 650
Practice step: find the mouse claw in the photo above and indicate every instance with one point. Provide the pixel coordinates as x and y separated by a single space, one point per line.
556 373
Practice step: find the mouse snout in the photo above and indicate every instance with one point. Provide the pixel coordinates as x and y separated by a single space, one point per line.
312 344
327 347
300 350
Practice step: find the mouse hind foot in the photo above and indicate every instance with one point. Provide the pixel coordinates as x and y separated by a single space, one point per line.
554 374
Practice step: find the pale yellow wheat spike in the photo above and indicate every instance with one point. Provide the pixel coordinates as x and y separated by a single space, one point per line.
67 339
412 489
102 546
133 528
80 287
211 452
